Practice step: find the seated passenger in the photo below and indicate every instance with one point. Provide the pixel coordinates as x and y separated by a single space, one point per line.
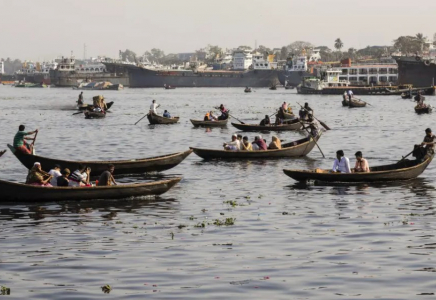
246 145
55 173
207 117
266 121
341 163
106 178
234 145
361 163
80 177
260 143
275 144
166 114
63 180
37 176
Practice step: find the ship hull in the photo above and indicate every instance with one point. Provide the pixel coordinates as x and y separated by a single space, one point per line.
369 91
293 78
71 79
415 71
145 78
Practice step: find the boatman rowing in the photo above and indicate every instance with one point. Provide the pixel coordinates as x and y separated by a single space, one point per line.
153 107
19 140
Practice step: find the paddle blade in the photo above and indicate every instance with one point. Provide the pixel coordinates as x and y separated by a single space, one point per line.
324 125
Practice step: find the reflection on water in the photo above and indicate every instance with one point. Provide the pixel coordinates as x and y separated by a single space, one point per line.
283 240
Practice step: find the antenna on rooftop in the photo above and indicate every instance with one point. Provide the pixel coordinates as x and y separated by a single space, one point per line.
84 51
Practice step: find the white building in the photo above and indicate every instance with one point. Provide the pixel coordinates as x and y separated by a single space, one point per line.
259 63
2 67
242 59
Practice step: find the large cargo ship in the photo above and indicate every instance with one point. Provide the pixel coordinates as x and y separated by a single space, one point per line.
260 73
416 70
68 74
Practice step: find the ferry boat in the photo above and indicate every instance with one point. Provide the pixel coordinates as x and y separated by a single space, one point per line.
68 74
248 70
333 83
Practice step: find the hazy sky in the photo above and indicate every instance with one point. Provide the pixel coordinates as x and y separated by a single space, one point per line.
45 29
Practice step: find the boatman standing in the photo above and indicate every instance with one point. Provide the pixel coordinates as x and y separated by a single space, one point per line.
80 101
153 107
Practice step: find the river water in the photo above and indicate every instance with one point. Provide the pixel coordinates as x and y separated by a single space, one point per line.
287 241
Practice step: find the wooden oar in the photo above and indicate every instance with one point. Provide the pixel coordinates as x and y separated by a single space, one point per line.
80 112
321 122
141 119
404 157
33 143
236 118
319 148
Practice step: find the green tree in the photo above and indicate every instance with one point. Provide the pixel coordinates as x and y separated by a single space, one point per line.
284 53
128 55
421 39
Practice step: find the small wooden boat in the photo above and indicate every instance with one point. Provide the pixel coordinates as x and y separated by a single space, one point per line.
155 119
288 126
356 103
345 103
298 148
94 115
18 192
403 170
273 88
91 107
423 110
219 123
247 90
130 166
168 87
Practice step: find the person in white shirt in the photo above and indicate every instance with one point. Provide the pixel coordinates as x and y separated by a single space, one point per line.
153 107
55 173
234 145
350 94
342 163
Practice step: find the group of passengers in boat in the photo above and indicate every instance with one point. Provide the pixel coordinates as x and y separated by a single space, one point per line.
153 110
209 116
79 178
239 143
342 163
419 98
348 95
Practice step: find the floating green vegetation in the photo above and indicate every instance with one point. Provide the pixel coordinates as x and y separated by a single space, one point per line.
106 289
232 203
5 290
172 235
225 222
201 225
181 226
192 218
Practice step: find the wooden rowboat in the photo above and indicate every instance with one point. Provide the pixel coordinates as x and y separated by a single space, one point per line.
219 123
423 110
247 90
155 119
132 166
91 107
291 125
356 103
273 88
31 193
298 148
345 103
94 115
403 170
